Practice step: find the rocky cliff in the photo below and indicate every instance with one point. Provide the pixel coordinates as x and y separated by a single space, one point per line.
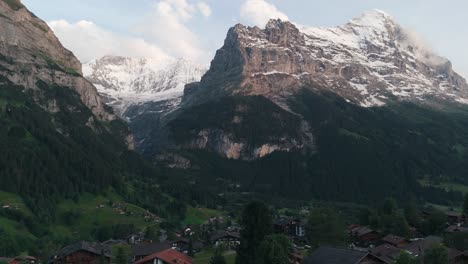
369 61
30 54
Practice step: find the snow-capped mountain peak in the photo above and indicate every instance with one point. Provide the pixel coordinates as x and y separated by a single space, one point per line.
126 81
369 61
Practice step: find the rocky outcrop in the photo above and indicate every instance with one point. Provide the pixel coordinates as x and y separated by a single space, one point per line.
370 61
30 53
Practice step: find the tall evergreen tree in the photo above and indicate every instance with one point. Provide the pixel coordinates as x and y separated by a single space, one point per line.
256 223
325 227
465 205
274 249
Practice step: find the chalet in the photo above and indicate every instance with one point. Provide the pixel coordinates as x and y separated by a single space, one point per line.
298 228
363 236
456 229
386 252
281 225
143 250
333 255
290 226
395 241
183 245
168 256
454 217
226 239
23 260
83 252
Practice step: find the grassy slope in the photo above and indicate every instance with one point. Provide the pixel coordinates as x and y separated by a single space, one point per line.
197 216
91 215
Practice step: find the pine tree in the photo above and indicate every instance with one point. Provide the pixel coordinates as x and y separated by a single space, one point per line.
256 222
465 205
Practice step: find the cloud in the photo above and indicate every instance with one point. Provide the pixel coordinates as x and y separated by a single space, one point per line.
258 12
204 8
89 41
167 25
162 33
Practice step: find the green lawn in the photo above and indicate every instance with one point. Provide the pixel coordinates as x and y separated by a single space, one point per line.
205 257
14 201
98 210
14 229
448 186
197 216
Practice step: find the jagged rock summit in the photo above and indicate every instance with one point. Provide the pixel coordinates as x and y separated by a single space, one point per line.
369 61
30 54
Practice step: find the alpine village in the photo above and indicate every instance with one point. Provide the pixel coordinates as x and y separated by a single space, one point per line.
313 145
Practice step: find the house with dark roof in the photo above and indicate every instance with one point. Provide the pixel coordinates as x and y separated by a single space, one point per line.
183 245
168 256
454 217
395 241
143 250
228 240
334 255
84 253
363 236
293 227
386 252
456 229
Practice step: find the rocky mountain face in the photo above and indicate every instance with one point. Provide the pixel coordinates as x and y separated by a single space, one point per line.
369 61
56 135
126 82
30 52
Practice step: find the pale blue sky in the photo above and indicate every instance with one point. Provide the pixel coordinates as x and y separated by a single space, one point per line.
443 23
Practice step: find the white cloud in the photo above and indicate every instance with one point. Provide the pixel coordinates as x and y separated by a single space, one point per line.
163 32
204 8
258 12
88 41
167 25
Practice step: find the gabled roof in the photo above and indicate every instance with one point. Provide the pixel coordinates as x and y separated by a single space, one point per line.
394 240
454 228
454 214
334 255
168 256
144 249
386 252
361 230
94 248
222 234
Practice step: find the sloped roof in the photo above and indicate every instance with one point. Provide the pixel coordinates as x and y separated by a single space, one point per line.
168 256
386 252
392 239
361 230
221 234
334 255
144 249
91 247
